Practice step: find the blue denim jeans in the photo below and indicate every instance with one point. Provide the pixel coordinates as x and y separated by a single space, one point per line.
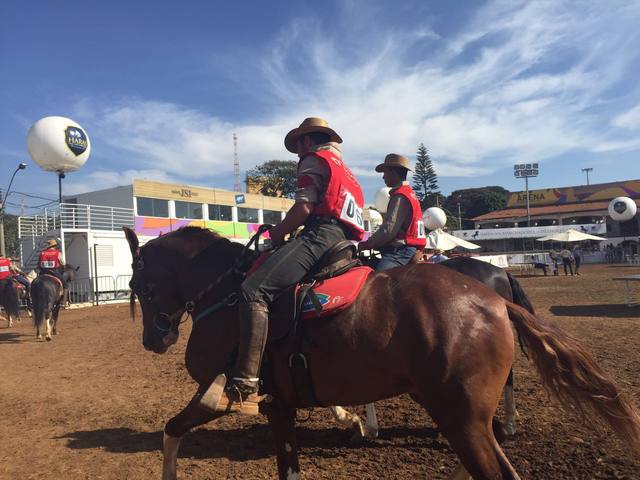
395 257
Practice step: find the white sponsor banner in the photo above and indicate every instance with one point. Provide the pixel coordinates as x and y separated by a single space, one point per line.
527 232
497 260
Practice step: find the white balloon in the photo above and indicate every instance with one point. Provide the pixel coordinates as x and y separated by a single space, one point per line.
58 144
434 218
622 209
375 216
381 200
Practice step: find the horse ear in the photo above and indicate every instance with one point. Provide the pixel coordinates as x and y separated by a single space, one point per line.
132 238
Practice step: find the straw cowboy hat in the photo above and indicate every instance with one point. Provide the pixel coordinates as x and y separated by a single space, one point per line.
309 125
393 160
52 243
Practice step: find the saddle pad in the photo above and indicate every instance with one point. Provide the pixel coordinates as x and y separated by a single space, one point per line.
337 293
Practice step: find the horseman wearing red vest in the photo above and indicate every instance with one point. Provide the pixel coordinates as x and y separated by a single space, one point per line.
50 261
402 233
328 204
5 268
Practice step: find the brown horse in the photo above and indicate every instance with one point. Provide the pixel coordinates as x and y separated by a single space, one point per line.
425 330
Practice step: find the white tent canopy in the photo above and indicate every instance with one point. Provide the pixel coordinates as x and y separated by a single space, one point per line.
441 240
569 236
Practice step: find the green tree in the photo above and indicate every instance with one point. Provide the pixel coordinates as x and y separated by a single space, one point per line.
11 235
473 203
425 180
275 178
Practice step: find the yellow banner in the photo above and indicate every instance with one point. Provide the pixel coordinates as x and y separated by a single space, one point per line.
586 193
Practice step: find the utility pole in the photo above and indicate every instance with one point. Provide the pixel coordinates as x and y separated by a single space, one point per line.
236 164
587 170
526 170
459 218
2 249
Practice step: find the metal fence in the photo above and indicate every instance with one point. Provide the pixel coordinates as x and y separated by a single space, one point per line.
76 216
99 289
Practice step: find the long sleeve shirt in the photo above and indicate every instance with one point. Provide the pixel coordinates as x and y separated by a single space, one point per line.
396 220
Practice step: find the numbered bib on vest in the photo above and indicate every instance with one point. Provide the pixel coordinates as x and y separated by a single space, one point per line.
4 269
47 264
421 232
351 212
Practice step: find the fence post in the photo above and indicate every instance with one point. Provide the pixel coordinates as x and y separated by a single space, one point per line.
95 274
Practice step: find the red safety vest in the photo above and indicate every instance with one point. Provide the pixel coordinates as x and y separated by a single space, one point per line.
415 235
343 199
5 270
49 259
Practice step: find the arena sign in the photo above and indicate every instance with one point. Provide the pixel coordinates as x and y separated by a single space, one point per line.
526 232
587 193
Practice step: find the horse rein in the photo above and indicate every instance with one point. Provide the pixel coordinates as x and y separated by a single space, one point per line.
239 268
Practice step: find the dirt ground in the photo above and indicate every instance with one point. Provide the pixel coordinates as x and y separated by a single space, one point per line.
92 404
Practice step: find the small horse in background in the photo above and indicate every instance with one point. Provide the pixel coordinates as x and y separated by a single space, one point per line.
47 295
10 300
69 275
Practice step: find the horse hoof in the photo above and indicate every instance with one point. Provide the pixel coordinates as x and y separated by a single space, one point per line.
509 429
55 332
48 338
370 433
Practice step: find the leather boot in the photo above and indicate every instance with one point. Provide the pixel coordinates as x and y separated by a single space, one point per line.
240 395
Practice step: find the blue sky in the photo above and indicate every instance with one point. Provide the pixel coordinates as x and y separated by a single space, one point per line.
161 86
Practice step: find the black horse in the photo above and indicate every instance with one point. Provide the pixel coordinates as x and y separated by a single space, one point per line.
47 296
10 300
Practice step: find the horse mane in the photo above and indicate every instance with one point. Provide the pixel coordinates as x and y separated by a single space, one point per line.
188 241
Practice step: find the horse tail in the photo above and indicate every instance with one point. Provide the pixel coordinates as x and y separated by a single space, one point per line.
519 297
39 301
573 377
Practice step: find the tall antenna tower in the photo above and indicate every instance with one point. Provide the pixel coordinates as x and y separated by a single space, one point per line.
236 164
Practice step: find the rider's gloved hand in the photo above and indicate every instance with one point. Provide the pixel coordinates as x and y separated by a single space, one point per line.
363 246
276 234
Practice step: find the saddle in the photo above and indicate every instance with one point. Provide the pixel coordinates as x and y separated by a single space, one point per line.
331 286
60 285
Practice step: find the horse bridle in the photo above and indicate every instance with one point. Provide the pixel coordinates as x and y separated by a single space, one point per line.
239 268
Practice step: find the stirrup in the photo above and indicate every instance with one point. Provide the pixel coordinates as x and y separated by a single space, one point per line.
211 397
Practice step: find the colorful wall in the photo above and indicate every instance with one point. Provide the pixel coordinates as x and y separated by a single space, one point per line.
153 227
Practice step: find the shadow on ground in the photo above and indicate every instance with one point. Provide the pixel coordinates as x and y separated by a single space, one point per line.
249 443
12 337
619 310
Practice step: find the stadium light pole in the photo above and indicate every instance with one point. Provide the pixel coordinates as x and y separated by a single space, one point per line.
587 170
526 171
3 201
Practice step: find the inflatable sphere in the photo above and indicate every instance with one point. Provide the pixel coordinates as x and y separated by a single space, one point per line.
58 144
375 219
622 209
434 218
381 200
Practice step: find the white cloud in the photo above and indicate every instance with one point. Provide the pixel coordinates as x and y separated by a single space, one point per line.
100 179
629 119
520 81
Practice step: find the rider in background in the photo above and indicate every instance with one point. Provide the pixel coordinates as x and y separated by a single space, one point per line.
51 262
438 257
5 268
402 232
328 204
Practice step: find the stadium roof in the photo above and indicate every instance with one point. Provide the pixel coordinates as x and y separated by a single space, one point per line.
545 210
